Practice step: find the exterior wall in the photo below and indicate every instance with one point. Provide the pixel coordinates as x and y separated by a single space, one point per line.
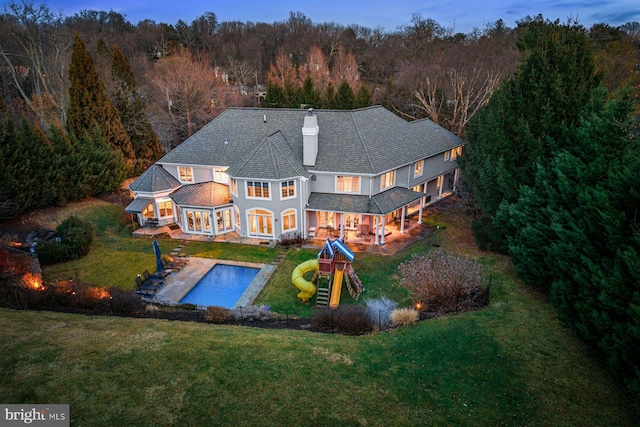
273 205
326 183
157 198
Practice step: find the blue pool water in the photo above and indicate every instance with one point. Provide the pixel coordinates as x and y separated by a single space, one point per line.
223 285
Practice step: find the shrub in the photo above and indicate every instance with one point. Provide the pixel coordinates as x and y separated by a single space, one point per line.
251 313
379 310
348 319
215 314
404 316
75 242
444 281
77 235
51 252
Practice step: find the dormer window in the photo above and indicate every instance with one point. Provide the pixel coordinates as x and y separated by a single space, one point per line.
186 174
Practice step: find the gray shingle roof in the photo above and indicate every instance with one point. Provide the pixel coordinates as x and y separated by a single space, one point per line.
205 194
155 179
365 141
380 204
272 158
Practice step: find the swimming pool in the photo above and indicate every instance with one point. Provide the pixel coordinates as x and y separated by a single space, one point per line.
222 286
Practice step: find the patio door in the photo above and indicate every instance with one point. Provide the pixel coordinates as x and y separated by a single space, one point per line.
198 221
351 221
224 223
260 223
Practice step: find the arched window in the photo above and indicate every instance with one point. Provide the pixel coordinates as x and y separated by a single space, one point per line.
289 221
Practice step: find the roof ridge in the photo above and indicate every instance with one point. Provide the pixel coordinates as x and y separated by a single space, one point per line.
361 139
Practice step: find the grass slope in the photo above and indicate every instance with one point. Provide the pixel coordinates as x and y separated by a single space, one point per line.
511 363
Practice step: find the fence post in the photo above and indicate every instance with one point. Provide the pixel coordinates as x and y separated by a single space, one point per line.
111 305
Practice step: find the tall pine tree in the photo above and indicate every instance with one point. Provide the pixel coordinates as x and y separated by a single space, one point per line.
89 106
522 123
130 105
574 232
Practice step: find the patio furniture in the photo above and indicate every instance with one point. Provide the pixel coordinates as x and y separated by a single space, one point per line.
145 289
152 278
362 230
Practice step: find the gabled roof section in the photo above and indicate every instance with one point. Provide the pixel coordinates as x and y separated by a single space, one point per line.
369 140
204 194
155 179
272 158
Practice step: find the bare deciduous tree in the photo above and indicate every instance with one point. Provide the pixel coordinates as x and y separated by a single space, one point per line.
188 88
453 99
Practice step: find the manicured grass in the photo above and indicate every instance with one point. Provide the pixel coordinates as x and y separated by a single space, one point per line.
116 257
512 363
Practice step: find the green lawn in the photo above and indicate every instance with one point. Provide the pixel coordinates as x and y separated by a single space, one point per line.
510 364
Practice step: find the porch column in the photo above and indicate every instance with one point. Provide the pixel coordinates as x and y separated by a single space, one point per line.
342 227
377 231
383 230
403 213
456 176
420 211
441 179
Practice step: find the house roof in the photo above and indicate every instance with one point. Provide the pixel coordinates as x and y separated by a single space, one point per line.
370 140
205 194
155 179
380 204
272 158
138 204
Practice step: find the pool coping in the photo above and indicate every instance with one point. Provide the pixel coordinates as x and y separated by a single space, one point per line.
178 284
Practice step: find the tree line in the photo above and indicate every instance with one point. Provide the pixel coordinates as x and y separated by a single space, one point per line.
553 164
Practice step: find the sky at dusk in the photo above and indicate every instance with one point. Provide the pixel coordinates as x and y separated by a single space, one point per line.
459 15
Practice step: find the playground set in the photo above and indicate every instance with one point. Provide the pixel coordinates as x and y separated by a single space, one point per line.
331 267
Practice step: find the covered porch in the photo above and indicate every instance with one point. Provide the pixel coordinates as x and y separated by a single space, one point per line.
363 219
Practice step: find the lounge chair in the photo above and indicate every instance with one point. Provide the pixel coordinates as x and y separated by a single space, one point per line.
146 289
155 278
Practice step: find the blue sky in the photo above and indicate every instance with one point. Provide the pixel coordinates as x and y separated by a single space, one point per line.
461 15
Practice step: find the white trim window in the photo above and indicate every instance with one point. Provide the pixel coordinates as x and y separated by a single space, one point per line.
347 184
165 208
234 186
289 222
418 169
220 176
447 154
185 173
387 180
287 189
258 190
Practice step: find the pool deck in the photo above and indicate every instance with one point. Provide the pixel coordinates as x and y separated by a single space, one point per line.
178 284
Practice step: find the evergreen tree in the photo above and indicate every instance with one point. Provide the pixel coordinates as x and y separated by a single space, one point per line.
130 105
329 98
363 98
310 96
522 123
275 96
89 106
345 98
574 232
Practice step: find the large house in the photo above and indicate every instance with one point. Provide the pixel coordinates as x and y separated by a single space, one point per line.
278 173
